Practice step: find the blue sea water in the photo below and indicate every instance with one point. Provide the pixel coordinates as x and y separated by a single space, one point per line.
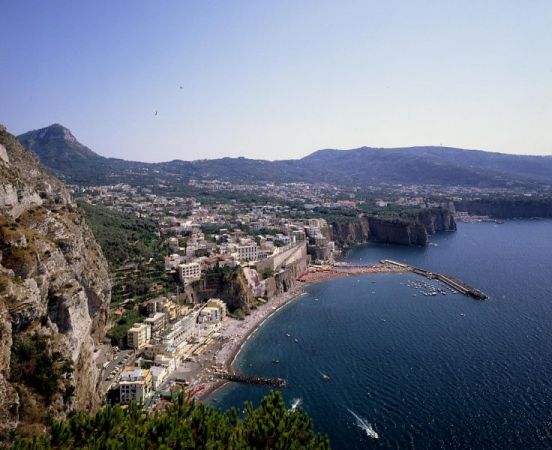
424 371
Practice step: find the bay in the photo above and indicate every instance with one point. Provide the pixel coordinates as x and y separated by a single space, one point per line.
442 371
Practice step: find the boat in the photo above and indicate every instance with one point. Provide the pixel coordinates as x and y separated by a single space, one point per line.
288 335
364 425
324 376
295 340
275 361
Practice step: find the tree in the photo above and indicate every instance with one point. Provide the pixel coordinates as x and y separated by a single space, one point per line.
184 425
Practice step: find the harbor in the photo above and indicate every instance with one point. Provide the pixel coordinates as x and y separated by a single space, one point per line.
453 283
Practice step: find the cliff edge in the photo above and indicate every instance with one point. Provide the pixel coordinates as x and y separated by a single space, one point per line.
54 295
410 230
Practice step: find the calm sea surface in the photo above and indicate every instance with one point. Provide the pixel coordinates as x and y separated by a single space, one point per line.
440 371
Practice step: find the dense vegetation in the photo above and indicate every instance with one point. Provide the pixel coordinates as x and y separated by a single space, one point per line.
122 237
134 252
118 332
184 425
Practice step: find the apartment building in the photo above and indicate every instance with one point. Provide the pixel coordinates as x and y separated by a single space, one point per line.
138 336
135 385
189 272
248 252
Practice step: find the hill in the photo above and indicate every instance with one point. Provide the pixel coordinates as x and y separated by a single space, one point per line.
58 150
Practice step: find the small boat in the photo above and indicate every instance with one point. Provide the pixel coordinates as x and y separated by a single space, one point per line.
463 314
275 361
288 335
324 376
296 341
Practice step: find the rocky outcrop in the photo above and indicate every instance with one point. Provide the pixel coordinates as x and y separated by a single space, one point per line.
241 287
54 295
228 284
350 232
411 230
397 232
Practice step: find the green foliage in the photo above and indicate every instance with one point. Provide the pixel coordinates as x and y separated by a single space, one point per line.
214 228
237 314
118 333
268 231
122 237
267 273
184 425
34 364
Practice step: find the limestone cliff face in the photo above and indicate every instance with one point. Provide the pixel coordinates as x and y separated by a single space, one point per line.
397 232
231 286
54 295
412 231
350 233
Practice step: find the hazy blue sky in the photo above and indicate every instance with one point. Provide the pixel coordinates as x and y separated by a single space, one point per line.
279 79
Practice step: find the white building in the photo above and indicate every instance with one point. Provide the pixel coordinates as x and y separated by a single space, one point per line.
248 252
189 272
138 336
182 330
157 322
158 375
135 385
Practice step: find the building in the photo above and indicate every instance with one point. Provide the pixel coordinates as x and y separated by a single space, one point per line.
181 331
163 304
218 303
159 375
189 272
135 385
138 336
157 322
248 252
211 316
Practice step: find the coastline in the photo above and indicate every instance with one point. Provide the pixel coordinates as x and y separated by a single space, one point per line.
237 332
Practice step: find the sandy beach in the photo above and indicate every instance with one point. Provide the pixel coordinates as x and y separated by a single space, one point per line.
233 335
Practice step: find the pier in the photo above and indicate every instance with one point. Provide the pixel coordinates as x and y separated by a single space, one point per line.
271 382
459 286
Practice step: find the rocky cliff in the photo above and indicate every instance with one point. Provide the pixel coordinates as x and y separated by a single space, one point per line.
240 287
230 285
54 295
411 230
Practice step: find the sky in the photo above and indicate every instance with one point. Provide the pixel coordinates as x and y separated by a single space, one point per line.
279 79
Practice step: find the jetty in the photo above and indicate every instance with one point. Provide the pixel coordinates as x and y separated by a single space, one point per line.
271 382
458 285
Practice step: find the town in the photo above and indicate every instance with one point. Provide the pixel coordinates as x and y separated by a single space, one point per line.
230 255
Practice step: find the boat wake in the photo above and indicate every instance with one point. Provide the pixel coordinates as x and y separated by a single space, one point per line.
363 424
296 402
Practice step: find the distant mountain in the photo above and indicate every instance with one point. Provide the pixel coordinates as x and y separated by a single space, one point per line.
58 150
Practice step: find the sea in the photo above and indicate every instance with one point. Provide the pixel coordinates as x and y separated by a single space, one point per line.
378 364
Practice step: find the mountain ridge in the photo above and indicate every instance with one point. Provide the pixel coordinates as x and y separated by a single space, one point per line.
61 152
